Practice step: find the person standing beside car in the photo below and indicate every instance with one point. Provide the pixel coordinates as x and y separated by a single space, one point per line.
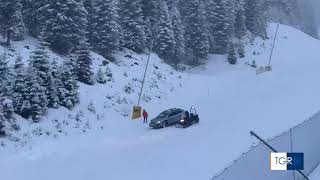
145 116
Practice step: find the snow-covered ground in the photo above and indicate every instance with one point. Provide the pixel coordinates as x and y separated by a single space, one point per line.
231 101
316 174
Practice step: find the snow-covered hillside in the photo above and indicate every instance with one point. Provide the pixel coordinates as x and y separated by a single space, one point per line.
231 101
98 102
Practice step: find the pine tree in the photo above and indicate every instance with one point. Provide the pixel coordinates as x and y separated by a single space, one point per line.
5 75
84 62
2 121
240 21
55 85
256 21
134 37
178 31
150 11
54 69
91 19
20 91
197 36
62 23
232 7
101 76
32 15
11 23
70 87
6 107
183 7
39 60
164 41
221 27
37 95
241 50
232 56
148 33
108 74
29 98
72 64
164 28
107 30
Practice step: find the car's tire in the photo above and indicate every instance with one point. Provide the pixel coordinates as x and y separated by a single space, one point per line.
164 124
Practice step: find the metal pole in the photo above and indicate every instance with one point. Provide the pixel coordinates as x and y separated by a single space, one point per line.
144 76
274 150
263 141
274 41
291 144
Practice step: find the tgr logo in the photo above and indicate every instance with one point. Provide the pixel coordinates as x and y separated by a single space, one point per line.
286 161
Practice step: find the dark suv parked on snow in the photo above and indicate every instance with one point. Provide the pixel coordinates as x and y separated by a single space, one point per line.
167 118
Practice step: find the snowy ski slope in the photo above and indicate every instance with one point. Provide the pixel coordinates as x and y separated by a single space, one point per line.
231 101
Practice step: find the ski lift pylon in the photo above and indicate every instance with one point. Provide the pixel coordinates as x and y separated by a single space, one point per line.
268 68
137 110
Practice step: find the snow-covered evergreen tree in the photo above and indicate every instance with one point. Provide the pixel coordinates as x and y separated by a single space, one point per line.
2 121
109 74
4 68
5 75
20 90
232 56
11 23
241 50
70 87
150 11
256 21
29 98
107 31
178 30
221 21
240 28
164 29
91 14
148 33
6 107
37 95
39 60
72 64
197 36
32 15
62 23
132 23
55 86
84 72
101 76
164 41
53 96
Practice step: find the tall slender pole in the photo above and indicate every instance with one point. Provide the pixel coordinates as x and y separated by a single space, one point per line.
263 141
274 41
144 76
274 150
291 144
